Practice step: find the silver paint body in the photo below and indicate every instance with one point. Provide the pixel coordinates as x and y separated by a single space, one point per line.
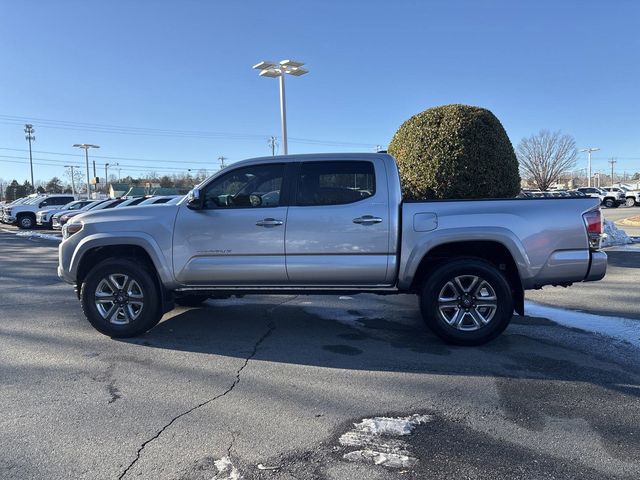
321 246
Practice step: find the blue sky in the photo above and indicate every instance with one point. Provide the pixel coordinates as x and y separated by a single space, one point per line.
156 69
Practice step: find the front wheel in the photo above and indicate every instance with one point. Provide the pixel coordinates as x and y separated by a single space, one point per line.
26 222
610 203
120 298
466 302
631 202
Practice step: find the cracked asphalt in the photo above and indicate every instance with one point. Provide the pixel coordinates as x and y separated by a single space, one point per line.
277 380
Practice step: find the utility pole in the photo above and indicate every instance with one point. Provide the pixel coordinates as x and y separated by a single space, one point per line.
612 161
106 167
86 147
73 181
30 137
589 150
221 159
272 144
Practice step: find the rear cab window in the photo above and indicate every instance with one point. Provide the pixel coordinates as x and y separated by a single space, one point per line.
335 183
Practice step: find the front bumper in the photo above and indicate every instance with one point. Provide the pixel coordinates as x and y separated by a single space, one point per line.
598 267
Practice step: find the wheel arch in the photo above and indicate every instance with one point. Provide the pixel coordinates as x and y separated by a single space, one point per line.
490 251
92 251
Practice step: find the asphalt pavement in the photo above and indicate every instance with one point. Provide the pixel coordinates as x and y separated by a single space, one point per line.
264 387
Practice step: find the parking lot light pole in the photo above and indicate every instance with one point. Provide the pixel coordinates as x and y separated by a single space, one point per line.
589 150
86 147
278 70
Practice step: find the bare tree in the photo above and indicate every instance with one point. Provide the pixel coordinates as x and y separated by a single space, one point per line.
545 157
78 179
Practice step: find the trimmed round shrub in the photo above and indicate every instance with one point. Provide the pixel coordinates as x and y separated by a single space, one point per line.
455 151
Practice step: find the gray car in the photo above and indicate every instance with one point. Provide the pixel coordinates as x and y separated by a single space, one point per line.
329 223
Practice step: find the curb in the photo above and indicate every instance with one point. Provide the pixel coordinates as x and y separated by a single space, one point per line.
629 222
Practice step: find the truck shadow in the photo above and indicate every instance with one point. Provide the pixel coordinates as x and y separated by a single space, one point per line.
531 348
623 259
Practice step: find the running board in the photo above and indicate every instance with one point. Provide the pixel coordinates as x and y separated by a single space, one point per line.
229 291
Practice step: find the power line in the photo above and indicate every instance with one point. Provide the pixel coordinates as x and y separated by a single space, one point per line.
106 157
130 167
131 170
129 130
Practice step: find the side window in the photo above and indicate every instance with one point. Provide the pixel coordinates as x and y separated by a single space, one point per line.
335 183
248 187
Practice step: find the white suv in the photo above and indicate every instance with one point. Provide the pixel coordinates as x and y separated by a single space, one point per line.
632 198
24 215
608 199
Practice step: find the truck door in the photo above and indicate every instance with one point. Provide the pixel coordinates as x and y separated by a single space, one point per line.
238 236
338 224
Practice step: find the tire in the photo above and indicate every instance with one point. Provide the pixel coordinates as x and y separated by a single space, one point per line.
191 300
132 285
26 222
459 319
631 202
610 203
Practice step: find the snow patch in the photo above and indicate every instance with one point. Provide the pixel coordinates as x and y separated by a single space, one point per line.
614 236
391 426
44 236
391 460
226 470
372 436
620 328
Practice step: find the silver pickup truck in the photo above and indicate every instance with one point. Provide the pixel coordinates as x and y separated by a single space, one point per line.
329 224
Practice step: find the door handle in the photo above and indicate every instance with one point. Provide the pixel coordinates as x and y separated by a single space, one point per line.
367 220
269 222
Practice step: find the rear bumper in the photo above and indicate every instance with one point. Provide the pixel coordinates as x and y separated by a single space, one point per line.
598 267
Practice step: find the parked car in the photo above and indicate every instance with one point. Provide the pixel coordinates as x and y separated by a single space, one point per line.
333 223
104 204
632 198
130 202
24 215
159 199
44 217
57 221
608 199
19 201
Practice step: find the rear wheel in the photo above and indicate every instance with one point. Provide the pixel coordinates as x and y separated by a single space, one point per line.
631 202
610 203
191 300
467 302
120 298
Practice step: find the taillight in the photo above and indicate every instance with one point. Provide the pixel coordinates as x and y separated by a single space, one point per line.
593 222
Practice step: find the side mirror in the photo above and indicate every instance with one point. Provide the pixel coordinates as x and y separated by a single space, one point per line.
194 200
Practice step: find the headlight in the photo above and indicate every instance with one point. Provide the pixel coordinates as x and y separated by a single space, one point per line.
71 228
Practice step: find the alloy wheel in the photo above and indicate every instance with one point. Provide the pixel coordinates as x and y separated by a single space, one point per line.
467 302
119 299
